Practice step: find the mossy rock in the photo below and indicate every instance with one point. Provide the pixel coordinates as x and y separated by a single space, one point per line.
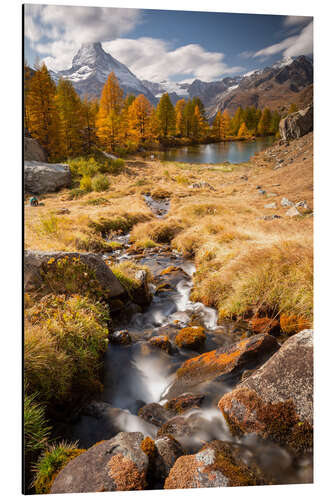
192 337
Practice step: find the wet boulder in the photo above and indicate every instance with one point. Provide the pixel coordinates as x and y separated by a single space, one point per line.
43 270
184 402
120 337
155 414
46 177
118 464
297 124
141 294
276 401
216 464
161 342
223 362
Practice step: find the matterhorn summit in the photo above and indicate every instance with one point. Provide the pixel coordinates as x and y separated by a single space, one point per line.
91 66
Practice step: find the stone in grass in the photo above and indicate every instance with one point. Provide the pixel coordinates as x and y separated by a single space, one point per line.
286 203
271 205
118 464
292 212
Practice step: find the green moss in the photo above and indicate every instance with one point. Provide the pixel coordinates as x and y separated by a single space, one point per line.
50 464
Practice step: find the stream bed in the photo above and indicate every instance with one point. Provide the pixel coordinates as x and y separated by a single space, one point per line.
139 373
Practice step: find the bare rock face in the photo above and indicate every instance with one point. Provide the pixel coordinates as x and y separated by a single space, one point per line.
216 464
245 354
118 464
276 401
33 151
297 124
36 264
45 177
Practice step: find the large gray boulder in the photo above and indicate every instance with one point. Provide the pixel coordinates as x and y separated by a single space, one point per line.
45 177
33 150
297 124
36 264
118 464
276 401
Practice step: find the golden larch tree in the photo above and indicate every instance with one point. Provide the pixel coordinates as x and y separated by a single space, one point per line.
108 121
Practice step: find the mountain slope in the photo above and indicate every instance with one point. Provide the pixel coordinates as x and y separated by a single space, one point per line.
90 69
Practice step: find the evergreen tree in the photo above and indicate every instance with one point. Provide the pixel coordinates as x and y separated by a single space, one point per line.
265 122
237 120
243 131
275 121
71 118
89 114
109 118
166 116
180 118
43 118
216 127
139 115
225 125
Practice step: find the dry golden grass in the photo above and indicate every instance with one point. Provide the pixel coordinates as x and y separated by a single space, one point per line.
245 265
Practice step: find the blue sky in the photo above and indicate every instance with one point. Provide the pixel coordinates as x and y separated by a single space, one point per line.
166 45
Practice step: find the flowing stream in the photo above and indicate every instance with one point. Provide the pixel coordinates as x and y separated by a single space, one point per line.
138 374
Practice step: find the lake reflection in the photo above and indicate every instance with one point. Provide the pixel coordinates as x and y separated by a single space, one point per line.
220 152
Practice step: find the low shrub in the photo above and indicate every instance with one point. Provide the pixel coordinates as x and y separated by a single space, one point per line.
74 337
71 276
118 223
49 224
54 458
100 183
160 231
86 184
95 202
75 193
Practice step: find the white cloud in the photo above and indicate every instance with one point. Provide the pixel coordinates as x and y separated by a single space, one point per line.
59 30
153 59
296 20
297 45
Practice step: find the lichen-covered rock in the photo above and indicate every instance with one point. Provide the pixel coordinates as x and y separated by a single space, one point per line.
191 337
297 124
276 401
155 414
46 177
33 150
245 354
162 342
168 450
41 270
184 402
118 464
216 464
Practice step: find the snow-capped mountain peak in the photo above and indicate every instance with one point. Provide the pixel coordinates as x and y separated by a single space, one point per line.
91 66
